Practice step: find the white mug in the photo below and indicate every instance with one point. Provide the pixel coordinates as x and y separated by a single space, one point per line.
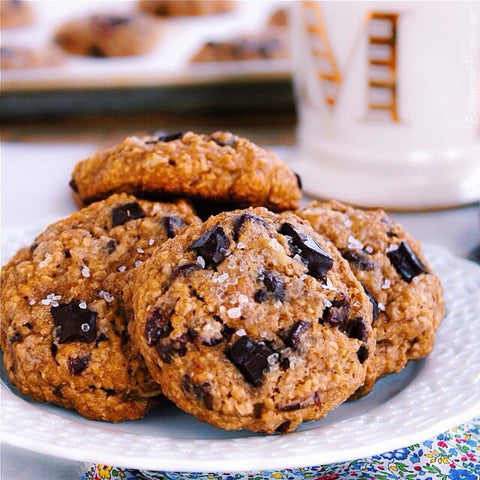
388 96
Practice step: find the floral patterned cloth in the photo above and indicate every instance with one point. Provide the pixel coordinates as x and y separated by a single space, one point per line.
453 455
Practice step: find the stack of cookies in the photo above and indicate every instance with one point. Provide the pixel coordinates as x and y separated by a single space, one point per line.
191 272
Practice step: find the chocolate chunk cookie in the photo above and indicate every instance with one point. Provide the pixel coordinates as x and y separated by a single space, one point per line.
405 292
253 321
271 44
173 8
15 13
64 320
220 169
108 35
19 57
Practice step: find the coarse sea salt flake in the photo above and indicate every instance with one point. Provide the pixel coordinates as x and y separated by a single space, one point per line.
386 284
140 250
108 297
151 241
240 245
82 305
121 268
369 249
327 303
381 306
85 271
242 299
241 332
354 243
201 261
138 263
32 302
391 248
235 312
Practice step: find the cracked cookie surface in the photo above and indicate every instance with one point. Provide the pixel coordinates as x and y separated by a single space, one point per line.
405 292
219 169
252 320
64 315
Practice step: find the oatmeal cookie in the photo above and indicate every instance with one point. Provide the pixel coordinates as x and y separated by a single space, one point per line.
19 57
220 169
64 320
15 13
253 321
406 295
108 35
174 8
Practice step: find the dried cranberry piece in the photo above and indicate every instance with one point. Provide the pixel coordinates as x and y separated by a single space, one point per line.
357 328
250 358
74 324
212 246
157 325
125 213
176 347
406 263
312 254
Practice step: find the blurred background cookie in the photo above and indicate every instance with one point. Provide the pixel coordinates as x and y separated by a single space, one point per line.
167 8
23 57
112 35
15 13
265 45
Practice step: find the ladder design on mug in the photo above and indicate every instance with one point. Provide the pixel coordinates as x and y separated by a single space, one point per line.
327 69
388 83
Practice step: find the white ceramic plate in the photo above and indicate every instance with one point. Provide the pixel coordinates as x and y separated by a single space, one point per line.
426 398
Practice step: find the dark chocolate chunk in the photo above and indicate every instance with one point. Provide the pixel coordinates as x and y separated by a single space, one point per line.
373 302
125 213
357 328
182 271
260 296
283 427
257 410
250 358
157 325
360 260
73 185
292 338
74 324
201 392
284 363
95 51
337 314
101 338
406 263
67 254
57 391
167 138
113 20
28 325
212 246
111 246
108 391
76 365
229 142
299 181
362 353
172 224
275 285
16 337
312 254
170 348
291 408
244 218
53 349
